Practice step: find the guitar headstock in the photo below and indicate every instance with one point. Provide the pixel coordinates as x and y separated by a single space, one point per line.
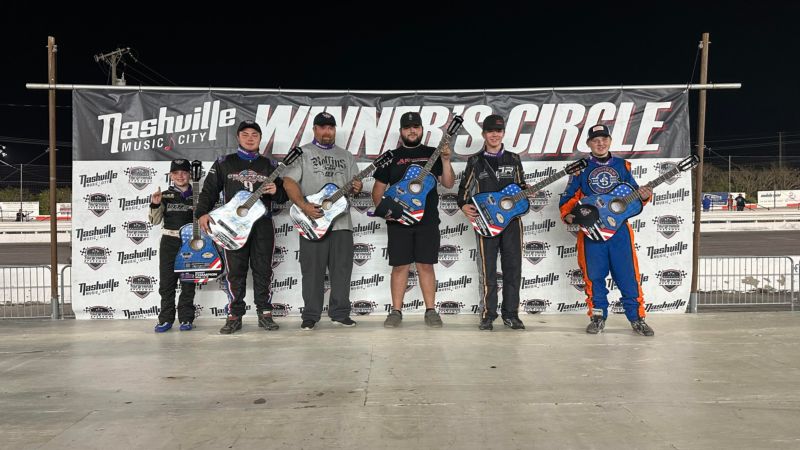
454 125
197 170
292 156
576 167
384 159
688 163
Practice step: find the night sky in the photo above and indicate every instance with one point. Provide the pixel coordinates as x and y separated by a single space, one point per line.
468 45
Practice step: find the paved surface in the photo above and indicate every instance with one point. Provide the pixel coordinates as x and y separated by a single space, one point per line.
32 253
704 381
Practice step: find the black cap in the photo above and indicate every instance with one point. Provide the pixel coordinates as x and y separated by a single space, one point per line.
248 124
598 130
324 118
410 118
180 164
494 122
585 215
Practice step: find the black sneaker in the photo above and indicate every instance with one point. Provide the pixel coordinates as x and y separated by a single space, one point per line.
393 320
486 324
265 321
346 322
514 323
307 325
232 325
596 325
640 327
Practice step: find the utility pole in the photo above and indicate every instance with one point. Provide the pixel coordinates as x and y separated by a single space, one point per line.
51 112
729 175
112 59
701 141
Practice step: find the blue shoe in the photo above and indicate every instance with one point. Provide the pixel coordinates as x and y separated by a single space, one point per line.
186 326
162 327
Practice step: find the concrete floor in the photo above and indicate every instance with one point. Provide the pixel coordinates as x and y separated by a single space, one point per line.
704 381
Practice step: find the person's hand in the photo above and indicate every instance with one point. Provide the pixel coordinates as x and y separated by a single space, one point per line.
203 222
155 198
355 186
311 210
269 188
470 211
446 152
645 192
569 218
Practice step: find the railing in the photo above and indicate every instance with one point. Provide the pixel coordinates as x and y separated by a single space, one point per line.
747 281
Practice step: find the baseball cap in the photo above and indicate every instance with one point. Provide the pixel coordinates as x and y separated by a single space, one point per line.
410 118
598 130
494 122
324 118
180 164
248 124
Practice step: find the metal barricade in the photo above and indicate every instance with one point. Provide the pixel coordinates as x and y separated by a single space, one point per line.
25 292
765 282
66 292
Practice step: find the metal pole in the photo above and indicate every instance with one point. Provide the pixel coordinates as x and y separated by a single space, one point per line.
51 77
780 149
701 140
20 192
729 176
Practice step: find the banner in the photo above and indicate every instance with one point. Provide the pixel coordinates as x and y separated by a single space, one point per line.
123 143
779 199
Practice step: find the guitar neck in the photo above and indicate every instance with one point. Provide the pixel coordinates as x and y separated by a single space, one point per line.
256 195
342 191
536 187
663 177
195 197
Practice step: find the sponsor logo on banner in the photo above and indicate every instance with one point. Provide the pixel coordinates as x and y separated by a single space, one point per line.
284 285
413 279
665 306
451 284
140 177
279 255
95 233
667 250
570 307
638 171
457 230
535 174
539 200
410 306
565 251
280 208
616 307
223 312
670 197
612 285
448 254
574 229
362 253
534 305
165 131
100 312
142 313
141 285
539 227
126 204
98 287
499 277
136 256
95 257
449 307
668 225
637 225
98 179
364 282
363 307
576 279
448 203
664 167
361 202
98 203
535 251
366 230
538 281
137 230
670 279
284 229
281 309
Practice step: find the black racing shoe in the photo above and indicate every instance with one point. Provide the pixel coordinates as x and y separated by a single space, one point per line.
514 323
265 321
596 325
232 325
307 325
640 327
346 322
486 324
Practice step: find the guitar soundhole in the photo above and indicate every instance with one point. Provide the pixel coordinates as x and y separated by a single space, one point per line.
196 244
415 188
242 211
617 206
326 205
506 203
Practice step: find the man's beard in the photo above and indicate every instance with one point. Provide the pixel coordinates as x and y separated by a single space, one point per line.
409 143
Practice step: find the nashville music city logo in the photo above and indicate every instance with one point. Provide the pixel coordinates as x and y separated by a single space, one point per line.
567 251
542 226
453 284
139 202
637 225
638 171
665 306
141 313
449 232
136 256
538 281
448 203
98 179
668 226
95 233
533 175
571 307
139 176
141 285
364 282
283 285
362 253
667 250
535 251
98 203
448 254
670 279
412 305
137 230
284 229
98 287
669 197
369 229
95 257
611 285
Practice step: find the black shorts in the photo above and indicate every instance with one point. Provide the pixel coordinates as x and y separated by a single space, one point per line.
418 243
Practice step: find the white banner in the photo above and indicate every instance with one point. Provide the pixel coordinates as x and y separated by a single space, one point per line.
779 199
9 210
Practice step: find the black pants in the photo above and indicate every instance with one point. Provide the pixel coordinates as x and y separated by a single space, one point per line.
334 253
257 253
169 247
509 243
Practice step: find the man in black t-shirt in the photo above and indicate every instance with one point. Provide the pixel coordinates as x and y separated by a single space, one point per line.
417 243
